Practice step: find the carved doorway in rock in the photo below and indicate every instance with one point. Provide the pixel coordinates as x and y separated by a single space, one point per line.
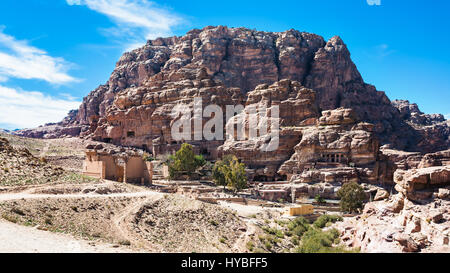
121 170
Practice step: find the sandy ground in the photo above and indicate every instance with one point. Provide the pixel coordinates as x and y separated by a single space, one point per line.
28 196
15 238
136 219
249 210
20 239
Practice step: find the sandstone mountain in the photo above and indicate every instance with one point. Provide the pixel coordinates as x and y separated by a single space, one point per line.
333 127
223 65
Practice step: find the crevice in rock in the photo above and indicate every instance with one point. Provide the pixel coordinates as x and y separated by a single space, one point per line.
276 56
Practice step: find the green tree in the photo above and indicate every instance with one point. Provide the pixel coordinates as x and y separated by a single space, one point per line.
230 172
185 162
219 170
352 197
319 199
237 177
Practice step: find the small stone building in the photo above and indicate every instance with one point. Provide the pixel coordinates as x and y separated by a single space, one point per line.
300 210
122 166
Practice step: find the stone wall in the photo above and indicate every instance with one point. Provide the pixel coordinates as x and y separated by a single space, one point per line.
121 167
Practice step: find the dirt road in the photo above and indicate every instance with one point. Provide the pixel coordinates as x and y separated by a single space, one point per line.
125 205
18 239
28 196
21 239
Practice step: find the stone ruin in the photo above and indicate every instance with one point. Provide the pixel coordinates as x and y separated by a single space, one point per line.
119 165
334 146
328 151
337 149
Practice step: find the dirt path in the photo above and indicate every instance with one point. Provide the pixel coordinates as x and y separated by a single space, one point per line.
45 150
121 222
20 239
241 243
15 238
248 210
26 195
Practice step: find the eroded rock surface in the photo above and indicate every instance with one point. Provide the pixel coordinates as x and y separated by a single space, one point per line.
297 108
414 220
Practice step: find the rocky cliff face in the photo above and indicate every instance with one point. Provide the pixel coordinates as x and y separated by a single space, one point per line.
338 149
433 129
416 219
239 59
410 112
297 108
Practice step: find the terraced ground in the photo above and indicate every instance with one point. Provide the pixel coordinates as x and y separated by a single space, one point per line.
125 215
46 207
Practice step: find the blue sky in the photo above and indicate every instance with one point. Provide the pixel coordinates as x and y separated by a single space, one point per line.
54 52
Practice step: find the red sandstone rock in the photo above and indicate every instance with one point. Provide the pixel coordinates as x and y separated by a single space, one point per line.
166 69
418 184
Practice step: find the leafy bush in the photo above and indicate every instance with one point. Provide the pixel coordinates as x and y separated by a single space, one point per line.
230 172
185 162
322 221
274 231
250 245
299 226
318 241
279 234
147 157
352 197
319 199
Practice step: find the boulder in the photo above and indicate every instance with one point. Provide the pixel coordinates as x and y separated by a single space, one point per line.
436 216
444 193
408 244
419 184
382 194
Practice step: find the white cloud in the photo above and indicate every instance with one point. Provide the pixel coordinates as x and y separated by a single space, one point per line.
136 20
384 50
25 109
20 60
447 116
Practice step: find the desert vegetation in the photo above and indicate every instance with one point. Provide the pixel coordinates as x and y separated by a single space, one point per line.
352 197
185 162
229 172
299 235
